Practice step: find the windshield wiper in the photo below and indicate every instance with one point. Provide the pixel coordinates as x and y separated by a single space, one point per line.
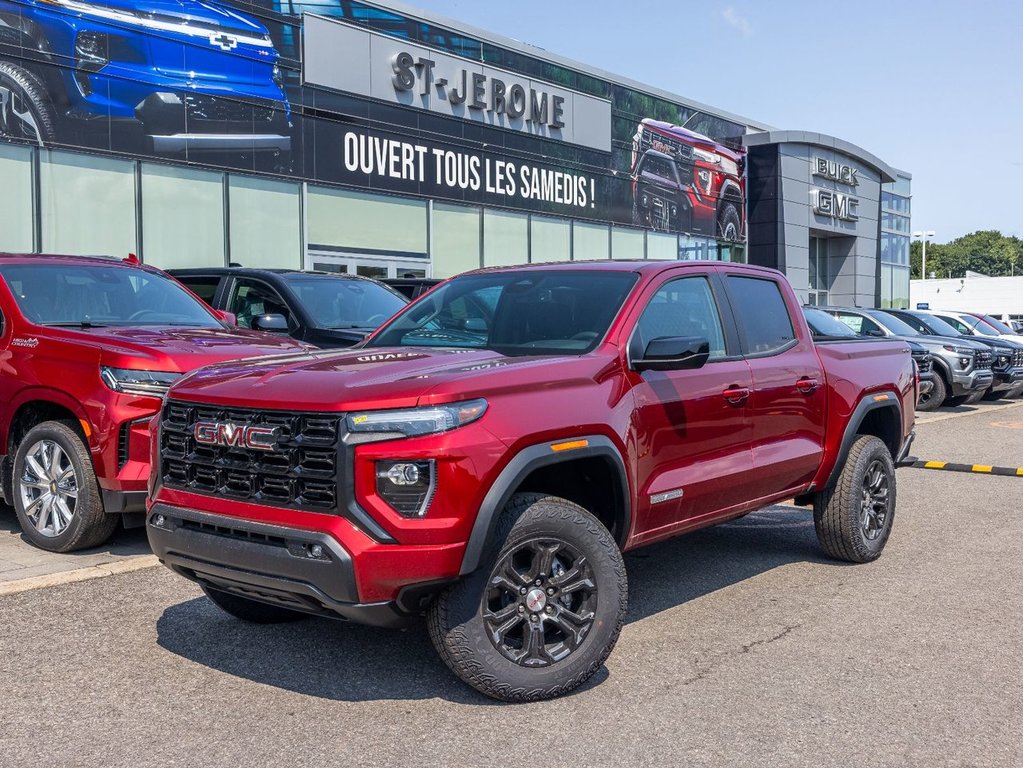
83 324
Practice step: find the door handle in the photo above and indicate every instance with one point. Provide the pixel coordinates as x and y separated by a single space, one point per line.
736 395
807 386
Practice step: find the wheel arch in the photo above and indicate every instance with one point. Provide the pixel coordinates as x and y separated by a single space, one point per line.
541 469
881 418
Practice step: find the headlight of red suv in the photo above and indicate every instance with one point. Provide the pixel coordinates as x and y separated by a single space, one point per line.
374 426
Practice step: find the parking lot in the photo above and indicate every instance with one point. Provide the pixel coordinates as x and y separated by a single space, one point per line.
743 647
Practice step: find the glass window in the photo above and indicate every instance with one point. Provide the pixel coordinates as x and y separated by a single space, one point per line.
859 324
661 246
357 221
627 243
266 222
203 287
823 324
762 314
505 238
95 295
550 239
589 241
182 216
456 239
564 312
88 204
683 307
252 298
342 302
16 199
891 322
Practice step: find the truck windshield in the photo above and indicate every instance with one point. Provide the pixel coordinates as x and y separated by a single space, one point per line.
563 312
893 324
344 302
936 325
824 325
93 295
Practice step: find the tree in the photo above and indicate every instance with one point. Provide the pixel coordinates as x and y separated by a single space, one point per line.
987 251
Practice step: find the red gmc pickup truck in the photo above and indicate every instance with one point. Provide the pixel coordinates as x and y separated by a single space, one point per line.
489 453
88 347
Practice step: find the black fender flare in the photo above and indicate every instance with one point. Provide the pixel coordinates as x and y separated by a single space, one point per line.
867 404
730 192
522 464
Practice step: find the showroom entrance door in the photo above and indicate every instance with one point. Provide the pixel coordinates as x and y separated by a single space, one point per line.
366 265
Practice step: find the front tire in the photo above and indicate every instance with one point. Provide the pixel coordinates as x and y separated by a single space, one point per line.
544 610
26 111
252 611
934 399
854 518
729 222
56 496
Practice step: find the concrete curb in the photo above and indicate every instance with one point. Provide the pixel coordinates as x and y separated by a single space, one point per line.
126 565
924 420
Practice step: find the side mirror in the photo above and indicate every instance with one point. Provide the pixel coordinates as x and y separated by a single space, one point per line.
270 323
228 317
875 333
674 353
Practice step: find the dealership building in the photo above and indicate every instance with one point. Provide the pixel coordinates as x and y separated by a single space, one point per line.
382 140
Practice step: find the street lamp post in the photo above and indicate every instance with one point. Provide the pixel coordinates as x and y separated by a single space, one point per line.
923 236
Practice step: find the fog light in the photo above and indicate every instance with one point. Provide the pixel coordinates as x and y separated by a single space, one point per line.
159 521
964 363
407 486
316 550
93 50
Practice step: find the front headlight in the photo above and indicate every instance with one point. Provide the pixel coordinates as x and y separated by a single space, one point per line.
707 157
371 426
133 382
958 350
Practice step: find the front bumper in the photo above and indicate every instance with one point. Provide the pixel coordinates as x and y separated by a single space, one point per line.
1007 379
303 570
965 383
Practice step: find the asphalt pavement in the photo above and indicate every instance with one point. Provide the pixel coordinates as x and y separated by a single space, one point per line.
744 646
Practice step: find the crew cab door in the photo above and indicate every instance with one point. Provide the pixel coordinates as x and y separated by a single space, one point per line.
788 405
691 428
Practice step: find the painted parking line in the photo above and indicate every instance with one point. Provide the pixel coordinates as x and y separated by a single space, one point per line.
976 469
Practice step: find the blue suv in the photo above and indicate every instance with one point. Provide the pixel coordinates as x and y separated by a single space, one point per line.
183 76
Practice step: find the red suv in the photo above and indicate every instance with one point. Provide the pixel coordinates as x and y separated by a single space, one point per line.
88 347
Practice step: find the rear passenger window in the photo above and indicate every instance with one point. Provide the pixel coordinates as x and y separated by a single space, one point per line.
683 307
203 287
762 314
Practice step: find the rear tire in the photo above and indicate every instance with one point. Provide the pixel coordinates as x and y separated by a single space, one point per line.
854 518
252 610
544 609
934 399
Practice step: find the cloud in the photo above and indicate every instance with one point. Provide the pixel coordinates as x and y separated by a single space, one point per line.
734 19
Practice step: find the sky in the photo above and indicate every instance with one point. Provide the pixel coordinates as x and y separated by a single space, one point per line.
933 88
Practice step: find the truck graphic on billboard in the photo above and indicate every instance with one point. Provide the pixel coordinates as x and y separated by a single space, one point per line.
168 77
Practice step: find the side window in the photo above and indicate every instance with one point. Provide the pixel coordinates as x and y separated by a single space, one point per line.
859 324
913 323
683 307
203 287
251 298
762 314
956 323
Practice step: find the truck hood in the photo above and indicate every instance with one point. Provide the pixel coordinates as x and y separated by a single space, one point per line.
939 342
162 348
215 16
382 377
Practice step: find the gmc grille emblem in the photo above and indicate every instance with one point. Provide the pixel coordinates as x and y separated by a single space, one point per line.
224 41
235 435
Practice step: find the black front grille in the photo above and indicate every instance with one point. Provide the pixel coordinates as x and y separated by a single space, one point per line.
220 109
982 360
1017 358
122 445
300 472
924 362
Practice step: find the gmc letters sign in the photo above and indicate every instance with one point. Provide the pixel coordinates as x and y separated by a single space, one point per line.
835 205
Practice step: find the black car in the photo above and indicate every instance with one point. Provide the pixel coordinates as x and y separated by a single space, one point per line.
412 287
325 309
